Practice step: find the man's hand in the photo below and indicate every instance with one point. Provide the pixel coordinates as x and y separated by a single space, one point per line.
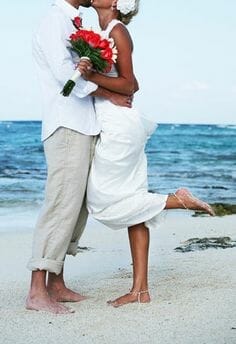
115 98
121 100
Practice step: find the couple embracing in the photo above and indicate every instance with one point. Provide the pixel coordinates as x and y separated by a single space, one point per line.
94 143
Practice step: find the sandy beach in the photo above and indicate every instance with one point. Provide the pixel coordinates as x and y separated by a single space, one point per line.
193 293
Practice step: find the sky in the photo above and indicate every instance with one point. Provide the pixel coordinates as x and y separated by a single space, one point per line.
184 59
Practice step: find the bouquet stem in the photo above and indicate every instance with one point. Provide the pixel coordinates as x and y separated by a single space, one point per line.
67 89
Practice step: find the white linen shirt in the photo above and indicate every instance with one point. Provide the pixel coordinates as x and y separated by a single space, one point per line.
55 65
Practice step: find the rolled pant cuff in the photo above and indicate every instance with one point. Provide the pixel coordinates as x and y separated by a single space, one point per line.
72 249
49 265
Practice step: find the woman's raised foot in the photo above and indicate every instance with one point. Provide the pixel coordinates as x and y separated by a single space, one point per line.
188 201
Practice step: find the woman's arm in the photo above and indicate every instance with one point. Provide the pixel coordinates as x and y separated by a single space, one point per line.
126 82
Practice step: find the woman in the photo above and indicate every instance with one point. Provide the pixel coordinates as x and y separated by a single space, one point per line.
117 188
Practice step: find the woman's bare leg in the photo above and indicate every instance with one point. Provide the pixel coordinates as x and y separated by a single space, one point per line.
139 245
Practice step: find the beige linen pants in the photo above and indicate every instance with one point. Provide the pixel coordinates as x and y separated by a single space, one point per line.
63 216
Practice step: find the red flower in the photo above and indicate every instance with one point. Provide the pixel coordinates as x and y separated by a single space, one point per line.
75 36
106 54
94 40
104 44
85 35
77 21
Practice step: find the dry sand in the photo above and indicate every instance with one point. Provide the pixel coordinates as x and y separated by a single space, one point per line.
193 294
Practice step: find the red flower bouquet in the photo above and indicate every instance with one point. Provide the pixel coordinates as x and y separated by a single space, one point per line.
90 45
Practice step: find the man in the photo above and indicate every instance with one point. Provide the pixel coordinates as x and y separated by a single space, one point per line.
69 128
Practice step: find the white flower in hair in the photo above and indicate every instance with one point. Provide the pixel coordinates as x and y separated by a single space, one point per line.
126 6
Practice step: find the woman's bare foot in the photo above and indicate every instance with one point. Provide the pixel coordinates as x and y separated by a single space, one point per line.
133 296
190 202
64 294
43 302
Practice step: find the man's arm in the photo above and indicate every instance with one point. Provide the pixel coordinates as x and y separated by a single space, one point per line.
115 98
51 41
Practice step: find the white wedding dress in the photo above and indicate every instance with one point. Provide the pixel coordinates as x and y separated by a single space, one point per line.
117 192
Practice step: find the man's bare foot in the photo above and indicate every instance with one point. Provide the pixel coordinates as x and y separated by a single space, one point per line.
43 302
133 296
64 294
190 202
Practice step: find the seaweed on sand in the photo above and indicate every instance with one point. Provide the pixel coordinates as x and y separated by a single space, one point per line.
205 243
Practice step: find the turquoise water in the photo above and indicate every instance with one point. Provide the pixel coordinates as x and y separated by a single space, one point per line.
200 157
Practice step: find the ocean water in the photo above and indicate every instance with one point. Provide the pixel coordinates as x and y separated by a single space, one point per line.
200 157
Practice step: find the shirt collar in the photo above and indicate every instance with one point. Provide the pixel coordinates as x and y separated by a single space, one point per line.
67 8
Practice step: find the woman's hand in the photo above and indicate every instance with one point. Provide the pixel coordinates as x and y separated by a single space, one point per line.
88 74
85 67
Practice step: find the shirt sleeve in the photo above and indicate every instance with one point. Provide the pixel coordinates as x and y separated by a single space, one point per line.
53 43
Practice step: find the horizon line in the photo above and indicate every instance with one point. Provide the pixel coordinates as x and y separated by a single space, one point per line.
167 123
